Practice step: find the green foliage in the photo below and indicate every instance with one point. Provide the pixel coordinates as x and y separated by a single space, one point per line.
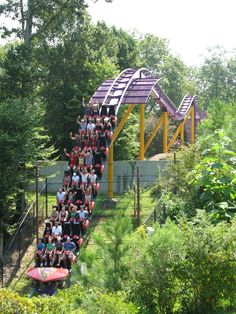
173 185
213 179
74 300
215 78
185 268
111 248
152 280
64 302
24 142
156 56
127 145
220 115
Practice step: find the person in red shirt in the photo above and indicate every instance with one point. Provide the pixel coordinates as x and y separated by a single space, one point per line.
72 160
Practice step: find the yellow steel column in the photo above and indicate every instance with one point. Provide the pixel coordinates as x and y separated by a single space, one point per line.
110 172
192 125
182 134
165 131
110 153
141 148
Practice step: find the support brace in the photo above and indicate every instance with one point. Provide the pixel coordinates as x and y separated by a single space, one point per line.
154 132
110 156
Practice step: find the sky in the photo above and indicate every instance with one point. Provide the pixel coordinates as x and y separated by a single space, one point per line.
191 26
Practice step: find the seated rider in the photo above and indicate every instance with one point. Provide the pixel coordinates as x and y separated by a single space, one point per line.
39 253
48 256
57 256
56 230
68 255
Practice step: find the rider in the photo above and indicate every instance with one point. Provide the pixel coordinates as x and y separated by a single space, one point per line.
68 255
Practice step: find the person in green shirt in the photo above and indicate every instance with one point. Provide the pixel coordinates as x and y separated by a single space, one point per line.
48 257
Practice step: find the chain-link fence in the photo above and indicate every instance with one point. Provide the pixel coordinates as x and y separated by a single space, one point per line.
23 237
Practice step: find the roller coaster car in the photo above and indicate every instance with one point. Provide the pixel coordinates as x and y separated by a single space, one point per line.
47 274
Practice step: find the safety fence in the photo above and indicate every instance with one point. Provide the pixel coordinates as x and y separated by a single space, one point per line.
25 233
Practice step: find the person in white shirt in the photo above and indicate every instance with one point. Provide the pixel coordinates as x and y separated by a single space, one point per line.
75 179
56 230
60 197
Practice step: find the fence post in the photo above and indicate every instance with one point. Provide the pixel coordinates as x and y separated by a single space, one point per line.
155 215
37 201
138 197
19 247
134 201
2 270
46 196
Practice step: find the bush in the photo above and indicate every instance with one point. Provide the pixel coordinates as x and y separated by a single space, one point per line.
185 268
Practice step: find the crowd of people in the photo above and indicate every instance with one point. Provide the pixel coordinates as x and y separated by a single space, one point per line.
65 229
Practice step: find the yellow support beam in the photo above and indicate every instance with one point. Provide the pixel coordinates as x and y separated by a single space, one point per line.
174 137
142 122
110 154
182 134
110 173
165 132
154 132
192 125
177 132
122 123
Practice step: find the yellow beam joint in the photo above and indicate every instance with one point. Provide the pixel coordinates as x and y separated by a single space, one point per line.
110 173
154 132
192 125
121 124
165 132
142 122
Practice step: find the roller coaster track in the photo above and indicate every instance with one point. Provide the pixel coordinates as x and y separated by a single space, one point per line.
133 86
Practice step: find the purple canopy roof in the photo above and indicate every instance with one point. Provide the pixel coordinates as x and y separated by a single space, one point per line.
133 86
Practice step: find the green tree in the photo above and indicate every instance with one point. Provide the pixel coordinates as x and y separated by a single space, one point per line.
128 49
112 248
152 269
127 144
70 71
213 179
216 77
184 268
34 18
23 142
220 115
157 57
